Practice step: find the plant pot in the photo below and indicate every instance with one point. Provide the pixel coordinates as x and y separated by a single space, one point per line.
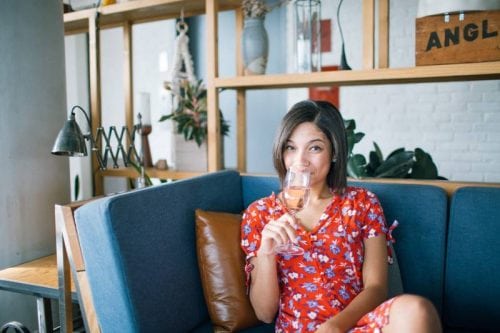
255 45
188 156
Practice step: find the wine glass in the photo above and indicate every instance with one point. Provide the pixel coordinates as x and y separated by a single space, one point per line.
295 196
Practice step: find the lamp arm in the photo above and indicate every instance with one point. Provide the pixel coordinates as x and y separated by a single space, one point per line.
89 136
84 113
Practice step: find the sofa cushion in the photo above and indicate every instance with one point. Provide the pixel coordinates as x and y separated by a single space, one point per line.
472 288
221 262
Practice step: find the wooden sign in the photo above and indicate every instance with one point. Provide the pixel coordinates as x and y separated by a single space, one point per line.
473 39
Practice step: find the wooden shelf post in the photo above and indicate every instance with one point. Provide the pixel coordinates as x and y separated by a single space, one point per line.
95 94
214 131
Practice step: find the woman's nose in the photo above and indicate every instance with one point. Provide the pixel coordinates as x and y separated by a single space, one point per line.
301 159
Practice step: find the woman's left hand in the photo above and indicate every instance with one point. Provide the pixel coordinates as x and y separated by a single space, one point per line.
330 326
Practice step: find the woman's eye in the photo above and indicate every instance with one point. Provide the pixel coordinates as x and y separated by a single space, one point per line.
316 148
288 147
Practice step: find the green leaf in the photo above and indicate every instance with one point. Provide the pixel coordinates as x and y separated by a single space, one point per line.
356 166
374 162
396 166
424 167
349 124
378 151
358 136
199 139
188 132
395 152
163 118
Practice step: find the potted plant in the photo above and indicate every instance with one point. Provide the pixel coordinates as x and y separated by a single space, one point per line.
400 163
190 113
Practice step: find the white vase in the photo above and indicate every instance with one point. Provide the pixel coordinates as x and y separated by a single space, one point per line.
189 156
255 44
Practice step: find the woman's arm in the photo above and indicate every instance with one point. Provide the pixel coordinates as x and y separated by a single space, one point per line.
264 287
373 293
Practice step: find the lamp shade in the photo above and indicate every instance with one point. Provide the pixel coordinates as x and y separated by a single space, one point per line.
70 140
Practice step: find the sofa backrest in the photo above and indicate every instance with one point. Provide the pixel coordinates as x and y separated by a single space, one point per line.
140 254
472 288
422 213
420 238
256 187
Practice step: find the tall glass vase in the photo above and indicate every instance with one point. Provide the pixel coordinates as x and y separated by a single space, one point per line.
308 35
255 45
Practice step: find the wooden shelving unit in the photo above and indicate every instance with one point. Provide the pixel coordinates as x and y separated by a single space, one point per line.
126 14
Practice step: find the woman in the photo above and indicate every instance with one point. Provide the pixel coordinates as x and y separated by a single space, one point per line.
339 284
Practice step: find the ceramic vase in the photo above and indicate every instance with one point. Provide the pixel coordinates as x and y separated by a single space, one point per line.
255 44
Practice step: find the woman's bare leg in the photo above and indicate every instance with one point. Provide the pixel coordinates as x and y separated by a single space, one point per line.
412 314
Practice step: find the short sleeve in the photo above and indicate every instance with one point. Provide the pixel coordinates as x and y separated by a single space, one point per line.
374 220
375 223
253 221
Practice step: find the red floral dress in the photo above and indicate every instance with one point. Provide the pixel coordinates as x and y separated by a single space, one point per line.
324 280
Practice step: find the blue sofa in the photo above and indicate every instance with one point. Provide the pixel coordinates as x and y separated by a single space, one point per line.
140 253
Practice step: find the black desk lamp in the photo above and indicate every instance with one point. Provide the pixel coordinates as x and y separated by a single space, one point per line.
71 142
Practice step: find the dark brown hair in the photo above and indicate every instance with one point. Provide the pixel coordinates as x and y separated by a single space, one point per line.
328 119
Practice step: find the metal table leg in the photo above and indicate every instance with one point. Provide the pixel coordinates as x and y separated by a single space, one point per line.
44 310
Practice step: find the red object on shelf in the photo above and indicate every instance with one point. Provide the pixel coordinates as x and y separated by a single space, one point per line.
326 35
330 94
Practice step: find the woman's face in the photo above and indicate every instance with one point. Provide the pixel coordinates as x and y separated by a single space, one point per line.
309 146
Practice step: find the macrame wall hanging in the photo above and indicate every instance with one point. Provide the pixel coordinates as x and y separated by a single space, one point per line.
182 68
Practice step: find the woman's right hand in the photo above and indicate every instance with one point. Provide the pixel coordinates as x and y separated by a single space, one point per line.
277 232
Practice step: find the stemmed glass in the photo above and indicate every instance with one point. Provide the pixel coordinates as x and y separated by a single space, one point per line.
295 196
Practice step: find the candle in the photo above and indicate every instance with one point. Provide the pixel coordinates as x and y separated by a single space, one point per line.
145 107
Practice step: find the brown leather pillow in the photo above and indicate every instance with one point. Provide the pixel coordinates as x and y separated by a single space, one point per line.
221 261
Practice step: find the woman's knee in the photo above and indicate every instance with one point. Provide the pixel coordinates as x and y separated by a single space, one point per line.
413 313
416 305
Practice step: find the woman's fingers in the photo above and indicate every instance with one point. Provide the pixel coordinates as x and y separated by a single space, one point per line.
281 230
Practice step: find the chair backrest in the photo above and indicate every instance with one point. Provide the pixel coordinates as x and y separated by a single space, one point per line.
140 254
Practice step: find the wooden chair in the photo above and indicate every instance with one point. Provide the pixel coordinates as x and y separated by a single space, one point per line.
70 266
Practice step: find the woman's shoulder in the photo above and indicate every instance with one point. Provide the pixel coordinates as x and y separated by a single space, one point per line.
359 193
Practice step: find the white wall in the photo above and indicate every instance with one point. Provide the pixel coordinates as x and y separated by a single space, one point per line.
32 110
76 57
458 123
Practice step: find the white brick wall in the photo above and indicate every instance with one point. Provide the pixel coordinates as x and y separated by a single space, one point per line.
458 123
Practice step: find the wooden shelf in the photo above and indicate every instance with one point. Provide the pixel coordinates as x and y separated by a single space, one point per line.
139 11
437 73
151 172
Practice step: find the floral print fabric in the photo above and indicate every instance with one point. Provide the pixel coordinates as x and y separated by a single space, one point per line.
320 283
